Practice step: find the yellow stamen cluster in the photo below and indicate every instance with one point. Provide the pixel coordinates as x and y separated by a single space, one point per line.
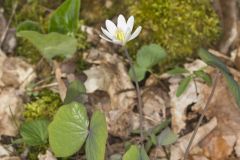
120 35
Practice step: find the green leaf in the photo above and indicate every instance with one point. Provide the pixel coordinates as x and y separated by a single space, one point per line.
65 18
183 85
153 139
167 137
74 92
35 132
234 87
68 130
161 126
97 137
52 44
204 76
29 25
150 55
178 71
135 153
212 60
140 72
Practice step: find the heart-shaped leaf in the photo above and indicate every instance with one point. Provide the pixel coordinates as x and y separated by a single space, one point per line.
135 153
35 132
75 92
65 18
183 85
68 130
29 25
167 137
97 137
52 44
150 55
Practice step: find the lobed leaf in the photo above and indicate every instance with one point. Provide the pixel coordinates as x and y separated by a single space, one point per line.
68 130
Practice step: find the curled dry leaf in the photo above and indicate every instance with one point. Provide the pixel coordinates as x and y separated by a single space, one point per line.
178 149
110 75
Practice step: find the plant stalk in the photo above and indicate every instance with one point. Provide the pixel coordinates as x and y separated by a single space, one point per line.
139 98
202 115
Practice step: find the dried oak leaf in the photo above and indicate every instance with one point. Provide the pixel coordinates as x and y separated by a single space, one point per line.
109 74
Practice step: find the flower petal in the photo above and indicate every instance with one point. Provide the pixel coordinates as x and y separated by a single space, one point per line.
117 42
109 35
105 38
121 23
130 23
111 27
135 33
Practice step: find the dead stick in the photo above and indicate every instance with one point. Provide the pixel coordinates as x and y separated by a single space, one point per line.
202 115
8 25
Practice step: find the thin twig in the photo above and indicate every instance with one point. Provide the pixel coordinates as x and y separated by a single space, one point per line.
140 104
8 25
202 115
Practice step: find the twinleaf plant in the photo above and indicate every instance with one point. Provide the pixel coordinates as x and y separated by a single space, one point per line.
60 39
70 129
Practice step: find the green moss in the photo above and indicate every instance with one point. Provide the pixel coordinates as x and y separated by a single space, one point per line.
180 26
45 105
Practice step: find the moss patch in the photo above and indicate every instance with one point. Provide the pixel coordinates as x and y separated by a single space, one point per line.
180 26
45 105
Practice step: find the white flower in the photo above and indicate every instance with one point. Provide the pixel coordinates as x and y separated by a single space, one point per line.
121 33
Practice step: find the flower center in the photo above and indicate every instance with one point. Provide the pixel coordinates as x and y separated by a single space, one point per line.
119 35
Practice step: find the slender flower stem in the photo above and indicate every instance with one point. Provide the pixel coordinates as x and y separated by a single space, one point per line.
139 104
202 115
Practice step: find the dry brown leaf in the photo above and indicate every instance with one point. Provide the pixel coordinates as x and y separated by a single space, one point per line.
11 107
225 138
15 75
155 102
61 85
5 150
178 149
111 76
10 158
47 156
179 104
